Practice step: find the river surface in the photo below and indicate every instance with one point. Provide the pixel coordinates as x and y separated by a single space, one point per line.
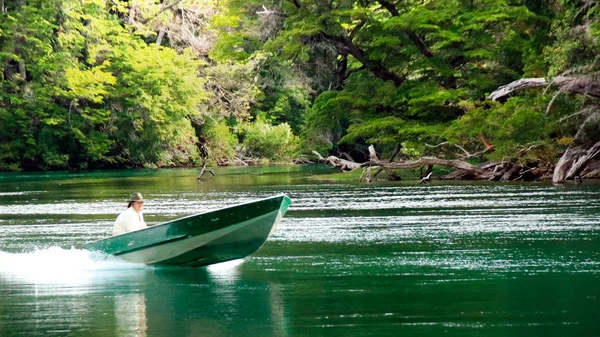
349 259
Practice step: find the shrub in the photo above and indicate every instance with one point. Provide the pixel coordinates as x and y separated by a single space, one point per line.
219 143
273 142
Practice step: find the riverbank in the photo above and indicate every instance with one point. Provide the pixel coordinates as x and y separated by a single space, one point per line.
312 171
576 163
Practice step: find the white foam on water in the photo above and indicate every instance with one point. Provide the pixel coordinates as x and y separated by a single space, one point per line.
58 265
19 193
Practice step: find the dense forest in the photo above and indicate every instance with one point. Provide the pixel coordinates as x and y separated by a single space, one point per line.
149 83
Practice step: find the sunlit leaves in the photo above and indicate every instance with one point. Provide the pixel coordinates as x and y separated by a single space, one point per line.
380 131
510 127
93 94
91 84
264 140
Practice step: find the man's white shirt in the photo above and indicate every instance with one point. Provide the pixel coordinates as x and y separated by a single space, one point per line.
128 221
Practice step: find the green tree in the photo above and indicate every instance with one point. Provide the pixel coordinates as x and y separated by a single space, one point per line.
534 125
401 71
79 90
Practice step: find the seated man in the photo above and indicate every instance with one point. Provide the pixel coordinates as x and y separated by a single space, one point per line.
132 218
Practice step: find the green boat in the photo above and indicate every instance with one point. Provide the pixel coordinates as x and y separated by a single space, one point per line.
202 239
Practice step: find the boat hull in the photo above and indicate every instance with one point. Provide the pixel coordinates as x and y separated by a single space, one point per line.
202 239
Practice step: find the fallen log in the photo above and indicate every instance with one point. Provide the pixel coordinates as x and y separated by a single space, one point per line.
511 173
426 161
302 160
342 164
476 171
505 171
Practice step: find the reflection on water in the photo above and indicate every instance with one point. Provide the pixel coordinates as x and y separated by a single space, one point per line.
73 292
130 313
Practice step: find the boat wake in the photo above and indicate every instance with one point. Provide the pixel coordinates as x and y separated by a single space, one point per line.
56 264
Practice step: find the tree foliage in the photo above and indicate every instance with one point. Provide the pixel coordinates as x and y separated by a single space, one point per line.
120 83
80 91
263 140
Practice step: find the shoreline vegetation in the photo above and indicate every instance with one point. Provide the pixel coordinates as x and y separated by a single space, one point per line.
492 89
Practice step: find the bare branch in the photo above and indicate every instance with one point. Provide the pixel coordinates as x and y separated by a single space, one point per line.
345 45
524 83
585 111
560 91
267 11
592 119
342 164
467 154
162 9
373 154
529 149
318 155
584 84
356 28
296 3
411 34
424 161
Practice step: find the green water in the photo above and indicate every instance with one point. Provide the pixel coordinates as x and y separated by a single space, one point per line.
446 259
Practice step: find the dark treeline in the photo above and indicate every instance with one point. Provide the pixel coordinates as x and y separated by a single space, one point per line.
99 84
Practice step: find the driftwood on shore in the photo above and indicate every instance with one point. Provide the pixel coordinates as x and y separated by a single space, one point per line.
426 161
577 163
464 171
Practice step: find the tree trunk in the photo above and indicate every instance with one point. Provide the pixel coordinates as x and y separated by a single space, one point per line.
346 46
342 67
161 35
592 170
162 9
573 162
20 64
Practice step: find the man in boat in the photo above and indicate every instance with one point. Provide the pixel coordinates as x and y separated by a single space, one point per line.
132 218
